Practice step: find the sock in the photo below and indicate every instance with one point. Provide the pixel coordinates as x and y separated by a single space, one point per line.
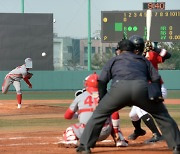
148 120
19 98
137 125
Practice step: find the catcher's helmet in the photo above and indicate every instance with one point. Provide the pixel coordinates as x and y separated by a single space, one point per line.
78 92
28 62
138 42
91 83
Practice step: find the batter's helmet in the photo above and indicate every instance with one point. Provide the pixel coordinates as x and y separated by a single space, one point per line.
28 62
138 42
91 83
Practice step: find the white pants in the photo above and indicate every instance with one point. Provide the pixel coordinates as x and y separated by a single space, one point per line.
136 113
7 82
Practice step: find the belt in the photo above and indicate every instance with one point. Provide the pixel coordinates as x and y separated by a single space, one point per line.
84 125
86 110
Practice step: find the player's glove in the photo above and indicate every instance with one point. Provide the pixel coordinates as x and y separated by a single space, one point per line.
29 75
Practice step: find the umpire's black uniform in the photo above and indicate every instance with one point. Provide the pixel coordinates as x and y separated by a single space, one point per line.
129 74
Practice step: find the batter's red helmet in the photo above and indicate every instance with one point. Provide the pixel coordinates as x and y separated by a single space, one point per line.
91 82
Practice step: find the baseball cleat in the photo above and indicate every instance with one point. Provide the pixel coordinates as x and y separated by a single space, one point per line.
154 139
81 149
19 106
136 134
176 149
122 143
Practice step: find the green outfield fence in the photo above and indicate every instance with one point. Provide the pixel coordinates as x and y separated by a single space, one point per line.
73 80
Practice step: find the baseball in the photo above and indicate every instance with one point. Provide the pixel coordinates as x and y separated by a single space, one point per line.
43 54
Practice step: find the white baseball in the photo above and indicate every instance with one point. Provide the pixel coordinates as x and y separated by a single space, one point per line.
43 54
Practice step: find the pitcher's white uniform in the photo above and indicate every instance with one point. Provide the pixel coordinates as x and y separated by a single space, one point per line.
15 76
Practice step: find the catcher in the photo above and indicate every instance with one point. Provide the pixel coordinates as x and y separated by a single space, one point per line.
15 76
83 107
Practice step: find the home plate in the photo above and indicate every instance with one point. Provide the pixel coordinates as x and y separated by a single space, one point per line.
106 141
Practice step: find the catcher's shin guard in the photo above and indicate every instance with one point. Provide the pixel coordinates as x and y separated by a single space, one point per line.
70 137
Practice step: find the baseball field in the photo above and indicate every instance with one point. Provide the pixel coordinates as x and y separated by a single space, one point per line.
38 126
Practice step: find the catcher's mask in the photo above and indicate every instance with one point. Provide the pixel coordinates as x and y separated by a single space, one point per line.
138 42
91 82
28 62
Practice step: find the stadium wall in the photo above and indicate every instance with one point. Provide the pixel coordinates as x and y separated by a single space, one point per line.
72 80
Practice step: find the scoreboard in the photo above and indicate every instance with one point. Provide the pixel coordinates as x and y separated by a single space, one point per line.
115 25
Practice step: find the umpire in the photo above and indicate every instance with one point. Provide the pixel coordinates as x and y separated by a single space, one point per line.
129 73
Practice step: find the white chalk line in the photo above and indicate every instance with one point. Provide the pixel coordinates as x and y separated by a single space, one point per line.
25 137
60 140
28 144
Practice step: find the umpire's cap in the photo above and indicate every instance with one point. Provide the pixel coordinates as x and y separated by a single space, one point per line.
126 45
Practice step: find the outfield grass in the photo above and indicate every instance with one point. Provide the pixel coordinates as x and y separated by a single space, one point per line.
7 123
35 122
50 95
173 94
39 95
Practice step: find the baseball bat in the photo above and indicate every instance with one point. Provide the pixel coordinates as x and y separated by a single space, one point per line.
148 23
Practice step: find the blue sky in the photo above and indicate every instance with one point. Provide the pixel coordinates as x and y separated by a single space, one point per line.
72 15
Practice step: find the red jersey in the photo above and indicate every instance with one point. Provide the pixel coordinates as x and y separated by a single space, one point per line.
155 59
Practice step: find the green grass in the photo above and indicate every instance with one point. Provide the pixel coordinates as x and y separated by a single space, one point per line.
173 94
49 95
35 122
39 95
21 123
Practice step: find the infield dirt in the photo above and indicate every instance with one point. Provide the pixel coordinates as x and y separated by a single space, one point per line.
44 140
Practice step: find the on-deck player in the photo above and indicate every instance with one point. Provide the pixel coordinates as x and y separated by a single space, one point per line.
82 107
15 76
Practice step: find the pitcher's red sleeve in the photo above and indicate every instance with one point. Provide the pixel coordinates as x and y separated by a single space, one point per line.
68 114
27 81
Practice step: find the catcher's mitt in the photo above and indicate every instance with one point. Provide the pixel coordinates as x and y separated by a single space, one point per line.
29 75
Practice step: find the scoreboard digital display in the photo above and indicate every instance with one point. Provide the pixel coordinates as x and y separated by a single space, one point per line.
116 25
154 5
